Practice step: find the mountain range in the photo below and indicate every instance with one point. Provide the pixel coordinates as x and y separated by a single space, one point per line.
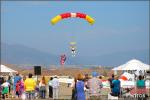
19 54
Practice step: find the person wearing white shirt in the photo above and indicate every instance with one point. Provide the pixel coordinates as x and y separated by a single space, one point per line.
55 85
5 89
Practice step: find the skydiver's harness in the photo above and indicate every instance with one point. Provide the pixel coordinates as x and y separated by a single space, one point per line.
72 49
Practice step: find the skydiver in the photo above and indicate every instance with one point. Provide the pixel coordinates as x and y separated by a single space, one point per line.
62 59
73 50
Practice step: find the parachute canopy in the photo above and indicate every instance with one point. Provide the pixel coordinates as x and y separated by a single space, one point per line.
72 15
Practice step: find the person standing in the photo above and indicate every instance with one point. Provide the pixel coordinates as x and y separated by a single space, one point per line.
94 84
116 86
16 79
74 90
10 82
55 85
29 85
50 88
22 89
5 89
42 86
1 82
140 82
86 89
18 89
110 81
80 87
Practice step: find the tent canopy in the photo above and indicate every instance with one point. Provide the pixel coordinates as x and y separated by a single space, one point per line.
4 68
133 65
119 67
127 76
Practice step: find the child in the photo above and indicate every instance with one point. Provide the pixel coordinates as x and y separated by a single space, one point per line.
5 89
22 90
18 85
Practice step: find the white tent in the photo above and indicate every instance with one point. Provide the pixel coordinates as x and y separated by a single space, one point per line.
133 65
4 68
136 65
119 67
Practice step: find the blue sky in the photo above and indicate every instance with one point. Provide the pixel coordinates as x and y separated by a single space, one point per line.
119 26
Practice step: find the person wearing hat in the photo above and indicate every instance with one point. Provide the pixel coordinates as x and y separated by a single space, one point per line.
94 84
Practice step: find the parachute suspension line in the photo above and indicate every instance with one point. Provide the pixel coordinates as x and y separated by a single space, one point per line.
62 16
72 45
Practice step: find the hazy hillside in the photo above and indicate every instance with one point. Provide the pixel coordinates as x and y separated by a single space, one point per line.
17 54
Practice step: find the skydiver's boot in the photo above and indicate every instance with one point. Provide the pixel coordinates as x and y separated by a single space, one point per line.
73 55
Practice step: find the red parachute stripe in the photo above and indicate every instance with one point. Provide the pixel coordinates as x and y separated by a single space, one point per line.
81 15
65 15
